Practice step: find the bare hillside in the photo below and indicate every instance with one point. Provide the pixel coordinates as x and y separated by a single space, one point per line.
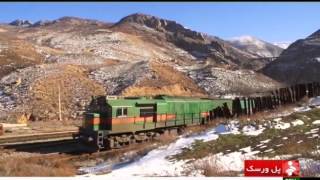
139 55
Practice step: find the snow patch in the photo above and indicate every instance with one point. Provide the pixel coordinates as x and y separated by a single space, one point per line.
246 149
282 125
264 146
232 128
316 122
266 141
269 150
297 122
252 131
277 119
315 101
283 45
302 109
229 96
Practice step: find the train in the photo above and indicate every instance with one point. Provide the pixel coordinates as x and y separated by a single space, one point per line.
115 121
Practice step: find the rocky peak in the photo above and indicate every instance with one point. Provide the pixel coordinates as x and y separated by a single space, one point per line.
69 18
160 24
314 35
299 63
41 23
75 21
21 23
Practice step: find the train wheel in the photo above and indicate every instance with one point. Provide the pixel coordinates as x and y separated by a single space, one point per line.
180 130
156 135
132 140
110 143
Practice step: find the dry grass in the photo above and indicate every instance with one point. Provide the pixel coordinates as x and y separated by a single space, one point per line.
35 166
209 168
259 117
171 90
20 54
52 51
167 81
73 84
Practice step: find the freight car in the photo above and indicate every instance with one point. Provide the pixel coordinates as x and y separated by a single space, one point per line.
111 122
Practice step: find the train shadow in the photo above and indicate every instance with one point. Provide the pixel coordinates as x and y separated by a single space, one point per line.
71 147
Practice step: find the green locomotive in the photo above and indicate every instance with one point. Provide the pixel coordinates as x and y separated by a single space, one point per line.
111 122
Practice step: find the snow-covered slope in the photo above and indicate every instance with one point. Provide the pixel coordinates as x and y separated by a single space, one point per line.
283 45
256 46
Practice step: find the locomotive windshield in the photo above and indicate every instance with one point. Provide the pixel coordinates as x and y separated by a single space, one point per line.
122 112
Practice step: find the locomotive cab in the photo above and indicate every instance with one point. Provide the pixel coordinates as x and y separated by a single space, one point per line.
96 123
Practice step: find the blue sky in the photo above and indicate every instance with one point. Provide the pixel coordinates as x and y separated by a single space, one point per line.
270 21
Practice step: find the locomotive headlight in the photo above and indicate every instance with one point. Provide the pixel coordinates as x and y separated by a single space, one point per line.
90 139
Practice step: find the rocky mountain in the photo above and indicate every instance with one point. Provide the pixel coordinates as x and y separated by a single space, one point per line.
199 45
21 23
139 55
256 46
300 62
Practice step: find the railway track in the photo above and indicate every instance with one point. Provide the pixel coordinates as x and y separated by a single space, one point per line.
45 143
37 138
49 147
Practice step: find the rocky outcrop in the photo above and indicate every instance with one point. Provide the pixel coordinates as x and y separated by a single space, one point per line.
299 63
117 78
161 25
36 89
220 81
199 45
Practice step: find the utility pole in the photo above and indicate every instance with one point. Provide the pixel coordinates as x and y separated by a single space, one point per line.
60 116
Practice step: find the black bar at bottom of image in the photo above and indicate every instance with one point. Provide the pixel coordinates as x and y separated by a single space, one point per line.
301 178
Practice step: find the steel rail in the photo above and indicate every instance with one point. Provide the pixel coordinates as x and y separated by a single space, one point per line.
39 137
